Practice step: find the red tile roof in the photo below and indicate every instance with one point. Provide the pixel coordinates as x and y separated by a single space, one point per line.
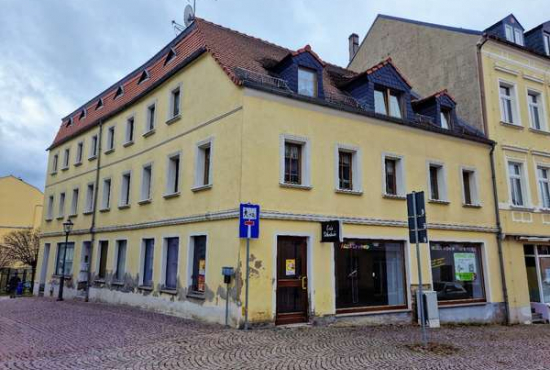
435 95
231 49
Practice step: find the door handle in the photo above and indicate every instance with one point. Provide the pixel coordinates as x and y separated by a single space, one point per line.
304 283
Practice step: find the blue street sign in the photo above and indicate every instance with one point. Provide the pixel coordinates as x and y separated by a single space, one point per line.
249 221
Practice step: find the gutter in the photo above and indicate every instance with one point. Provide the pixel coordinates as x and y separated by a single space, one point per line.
94 211
499 234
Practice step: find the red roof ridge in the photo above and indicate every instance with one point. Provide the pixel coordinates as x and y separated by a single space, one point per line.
307 49
436 94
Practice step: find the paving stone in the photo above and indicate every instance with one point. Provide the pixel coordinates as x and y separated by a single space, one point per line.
40 333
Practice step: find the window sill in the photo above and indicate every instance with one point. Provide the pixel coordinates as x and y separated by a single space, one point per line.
195 295
64 169
124 206
465 205
439 201
544 210
295 186
349 192
78 164
462 303
144 201
109 151
48 219
72 215
99 281
396 197
92 157
103 210
149 133
512 125
171 195
201 188
87 212
145 287
173 119
169 291
520 208
117 283
60 217
537 131
128 143
68 276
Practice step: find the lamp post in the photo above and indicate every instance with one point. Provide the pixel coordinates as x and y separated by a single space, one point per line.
67 228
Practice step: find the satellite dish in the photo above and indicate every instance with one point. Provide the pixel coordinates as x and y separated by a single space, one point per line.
188 15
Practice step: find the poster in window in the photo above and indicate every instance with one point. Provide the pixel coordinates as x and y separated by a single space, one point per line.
465 266
290 269
202 268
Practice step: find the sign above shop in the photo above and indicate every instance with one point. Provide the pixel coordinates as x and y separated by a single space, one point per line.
331 231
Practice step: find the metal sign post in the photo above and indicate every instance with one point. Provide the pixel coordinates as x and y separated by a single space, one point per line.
417 214
249 228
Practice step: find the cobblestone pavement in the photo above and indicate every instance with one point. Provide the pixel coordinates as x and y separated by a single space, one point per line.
44 334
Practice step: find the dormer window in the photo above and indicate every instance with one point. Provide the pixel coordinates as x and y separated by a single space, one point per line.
171 55
119 92
514 34
144 77
82 114
99 104
546 38
307 82
387 102
445 117
70 122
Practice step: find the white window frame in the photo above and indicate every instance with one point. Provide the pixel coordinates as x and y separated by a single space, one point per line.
441 181
170 175
191 256
164 258
539 193
110 144
546 41
524 180
127 139
79 153
66 158
309 72
94 148
541 104
148 129
51 205
199 164
115 259
144 185
509 32
89 206
306 160
171 117
474 186
74 202
400 175
55 163
61 209
125 188
514 102
356 168
106 197
142 260
518 36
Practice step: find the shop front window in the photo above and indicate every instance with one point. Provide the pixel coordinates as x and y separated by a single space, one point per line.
370 274
537 262
457 271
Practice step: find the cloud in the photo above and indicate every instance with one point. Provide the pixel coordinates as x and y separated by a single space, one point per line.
58 54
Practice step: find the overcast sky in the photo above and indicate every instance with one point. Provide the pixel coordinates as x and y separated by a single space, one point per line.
55 55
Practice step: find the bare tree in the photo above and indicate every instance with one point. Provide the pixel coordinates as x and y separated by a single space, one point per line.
22 246
5 258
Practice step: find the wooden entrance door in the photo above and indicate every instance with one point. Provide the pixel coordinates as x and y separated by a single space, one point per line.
292 297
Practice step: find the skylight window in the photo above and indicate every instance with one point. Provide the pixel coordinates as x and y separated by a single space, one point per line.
99 104
171 55
144 77
119 92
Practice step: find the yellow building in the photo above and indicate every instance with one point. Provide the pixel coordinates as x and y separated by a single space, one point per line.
502 75
152 172
20 209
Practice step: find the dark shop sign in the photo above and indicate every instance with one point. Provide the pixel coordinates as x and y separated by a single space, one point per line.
331 231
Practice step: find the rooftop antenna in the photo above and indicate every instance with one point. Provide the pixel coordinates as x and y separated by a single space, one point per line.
188 18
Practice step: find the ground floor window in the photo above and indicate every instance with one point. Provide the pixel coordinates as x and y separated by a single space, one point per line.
148 253
370 273
537 263
103 250
171 267
69 256
199 264
457 271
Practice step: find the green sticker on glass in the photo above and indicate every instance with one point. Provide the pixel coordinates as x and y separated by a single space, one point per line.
465 266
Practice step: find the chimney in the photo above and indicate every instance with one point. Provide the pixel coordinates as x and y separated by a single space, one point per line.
353 45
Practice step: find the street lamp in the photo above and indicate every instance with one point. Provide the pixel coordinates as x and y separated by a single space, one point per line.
67 228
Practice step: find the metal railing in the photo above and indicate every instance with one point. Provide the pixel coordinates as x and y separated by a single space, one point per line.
261 78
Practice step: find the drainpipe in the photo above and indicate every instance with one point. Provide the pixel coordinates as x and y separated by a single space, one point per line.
499 235
94 210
